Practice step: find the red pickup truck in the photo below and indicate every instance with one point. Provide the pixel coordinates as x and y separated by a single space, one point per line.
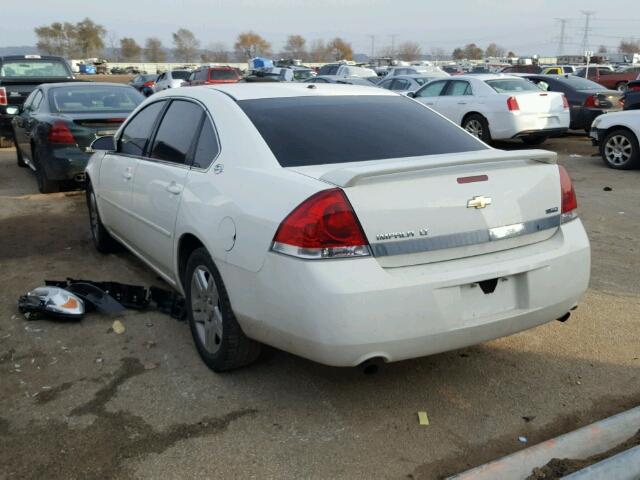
610 79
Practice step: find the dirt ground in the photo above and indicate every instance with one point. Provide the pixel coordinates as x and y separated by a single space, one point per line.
106 78
79 401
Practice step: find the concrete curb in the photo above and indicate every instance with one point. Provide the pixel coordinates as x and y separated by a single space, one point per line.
582 443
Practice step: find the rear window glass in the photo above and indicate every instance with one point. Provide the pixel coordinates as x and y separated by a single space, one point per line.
339 129
180 74
581 83
510 85
34 68
223 75
302 74
94 98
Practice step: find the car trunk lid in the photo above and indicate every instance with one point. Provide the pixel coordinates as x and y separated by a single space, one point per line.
87 127
442 207
540 103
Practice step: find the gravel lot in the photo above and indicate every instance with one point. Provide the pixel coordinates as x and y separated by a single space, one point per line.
79 401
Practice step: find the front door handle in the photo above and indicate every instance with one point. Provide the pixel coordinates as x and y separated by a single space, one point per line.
127 174
174 188
462 103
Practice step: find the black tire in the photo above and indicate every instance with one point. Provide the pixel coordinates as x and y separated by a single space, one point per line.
44 184
534 140
102 240
477 126
19 158
619 150
622 86
229 348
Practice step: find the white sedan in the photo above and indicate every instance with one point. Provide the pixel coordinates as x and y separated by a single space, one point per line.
337 222
618 136
171 79
498 107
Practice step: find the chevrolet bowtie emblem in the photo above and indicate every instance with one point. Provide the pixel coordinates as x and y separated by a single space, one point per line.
479 202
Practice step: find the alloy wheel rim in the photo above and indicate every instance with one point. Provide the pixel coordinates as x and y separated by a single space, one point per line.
474 127
618 150
205 307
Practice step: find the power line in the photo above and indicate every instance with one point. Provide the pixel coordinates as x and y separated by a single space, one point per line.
587 28
563 27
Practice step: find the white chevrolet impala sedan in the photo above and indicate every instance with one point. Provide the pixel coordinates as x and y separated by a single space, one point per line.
337 222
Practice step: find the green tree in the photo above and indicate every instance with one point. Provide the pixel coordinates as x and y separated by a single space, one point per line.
339 49
153 50
129 49
249 45
185 45
56 39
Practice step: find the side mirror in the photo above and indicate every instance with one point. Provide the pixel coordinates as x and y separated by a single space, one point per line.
106 143
410 94
13 110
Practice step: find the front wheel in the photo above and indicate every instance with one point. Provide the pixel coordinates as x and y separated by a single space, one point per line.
477 126
622 87
619 150
534 140
220 341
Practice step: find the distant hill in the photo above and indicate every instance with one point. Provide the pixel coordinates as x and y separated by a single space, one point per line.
18 50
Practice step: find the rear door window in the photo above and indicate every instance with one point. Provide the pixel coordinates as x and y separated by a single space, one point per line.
432 89
320 130
176 132
207 148
37 100
458 88
137 132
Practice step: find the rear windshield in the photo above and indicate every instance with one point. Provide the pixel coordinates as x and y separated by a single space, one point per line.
511 85
581 83
339 129
94 99
302 74
223 75
34 68
180 74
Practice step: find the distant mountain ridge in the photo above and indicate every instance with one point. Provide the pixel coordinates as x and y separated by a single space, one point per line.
18 50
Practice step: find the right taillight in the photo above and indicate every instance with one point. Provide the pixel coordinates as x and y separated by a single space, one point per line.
565 102
512 104
569 201
591 101
323 226
3 96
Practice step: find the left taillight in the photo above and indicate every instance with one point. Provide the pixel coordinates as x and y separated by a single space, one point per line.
569 201
3 96
150 83
323 226
60 133
512 104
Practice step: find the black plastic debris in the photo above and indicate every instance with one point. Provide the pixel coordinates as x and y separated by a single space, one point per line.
607 189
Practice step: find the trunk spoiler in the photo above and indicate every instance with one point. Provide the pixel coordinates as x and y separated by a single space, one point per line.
348 176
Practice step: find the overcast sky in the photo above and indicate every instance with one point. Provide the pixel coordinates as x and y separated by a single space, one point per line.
524 26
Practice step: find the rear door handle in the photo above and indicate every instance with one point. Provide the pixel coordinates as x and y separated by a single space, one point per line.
174 188
462 103
127 174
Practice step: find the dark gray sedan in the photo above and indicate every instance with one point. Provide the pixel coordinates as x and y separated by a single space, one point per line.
55 127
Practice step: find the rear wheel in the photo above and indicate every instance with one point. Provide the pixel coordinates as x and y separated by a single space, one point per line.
622 86
19 158
477 126
534 140
619 150
102 240
44 184
220 341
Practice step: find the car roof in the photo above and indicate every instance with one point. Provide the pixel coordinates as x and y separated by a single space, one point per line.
243 91
48 86
418 75
30 57
483 76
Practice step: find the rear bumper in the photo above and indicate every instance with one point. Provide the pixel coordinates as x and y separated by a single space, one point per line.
507 125
547 132
582 118
343 312
64 163
6 130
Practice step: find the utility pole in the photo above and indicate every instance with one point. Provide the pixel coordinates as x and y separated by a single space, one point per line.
373 44
563 28
393 44
585 39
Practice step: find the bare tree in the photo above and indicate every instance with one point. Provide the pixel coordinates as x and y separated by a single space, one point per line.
494 50
216 52
89 37
112 39
458 54
295 47
473 52
153 50
129 49
603 49
249 45
185 45
339 49
629 46
409 51
438 53
318 51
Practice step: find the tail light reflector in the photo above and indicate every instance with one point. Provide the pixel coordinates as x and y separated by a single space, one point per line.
323 226
565 102
60 133
512 104
150 83
591 101
3 96
568 195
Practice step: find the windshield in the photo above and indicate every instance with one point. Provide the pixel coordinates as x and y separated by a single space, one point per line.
94 99
302 74
319 130
512 85
34 68
180 74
